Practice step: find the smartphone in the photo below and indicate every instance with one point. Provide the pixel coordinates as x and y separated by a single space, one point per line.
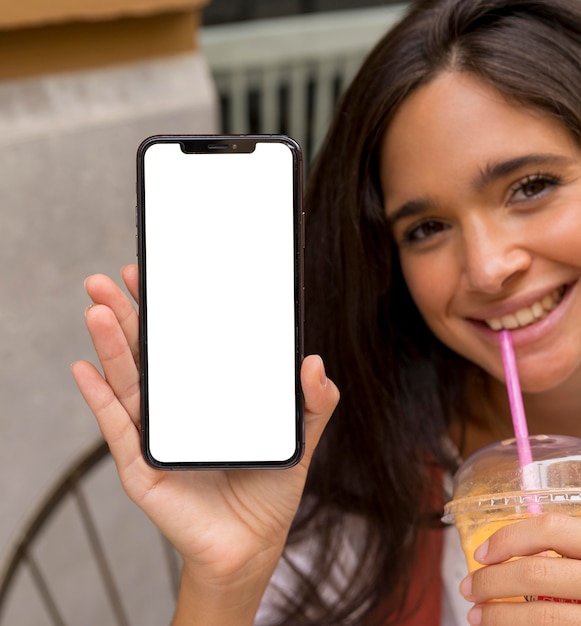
220 252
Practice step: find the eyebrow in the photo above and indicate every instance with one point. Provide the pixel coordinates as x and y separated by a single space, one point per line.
499 169
490 173
410 209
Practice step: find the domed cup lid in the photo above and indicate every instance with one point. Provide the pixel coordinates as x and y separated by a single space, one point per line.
492 478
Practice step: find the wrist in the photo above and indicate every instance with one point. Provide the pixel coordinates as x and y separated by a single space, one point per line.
220 602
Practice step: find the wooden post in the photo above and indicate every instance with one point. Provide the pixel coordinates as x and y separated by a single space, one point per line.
39 37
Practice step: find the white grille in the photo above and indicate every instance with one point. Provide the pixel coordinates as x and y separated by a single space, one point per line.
284 75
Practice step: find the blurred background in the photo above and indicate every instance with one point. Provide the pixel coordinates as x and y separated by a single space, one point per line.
82 82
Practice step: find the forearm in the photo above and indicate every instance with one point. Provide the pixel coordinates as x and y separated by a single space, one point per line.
202 604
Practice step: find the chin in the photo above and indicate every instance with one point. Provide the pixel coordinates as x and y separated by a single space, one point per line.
537 377
548 377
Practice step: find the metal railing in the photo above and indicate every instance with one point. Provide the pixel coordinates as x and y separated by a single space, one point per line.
284 75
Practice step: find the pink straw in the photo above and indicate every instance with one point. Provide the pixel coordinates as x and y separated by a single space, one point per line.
519 420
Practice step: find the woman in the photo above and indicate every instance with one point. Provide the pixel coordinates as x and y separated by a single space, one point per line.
443 207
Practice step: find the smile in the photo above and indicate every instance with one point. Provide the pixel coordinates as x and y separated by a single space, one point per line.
528 315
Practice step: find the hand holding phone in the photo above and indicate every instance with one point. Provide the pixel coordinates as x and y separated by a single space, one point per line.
205 514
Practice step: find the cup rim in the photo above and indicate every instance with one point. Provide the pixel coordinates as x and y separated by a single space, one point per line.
516 500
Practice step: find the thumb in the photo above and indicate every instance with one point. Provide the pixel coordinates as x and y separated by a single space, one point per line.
321 398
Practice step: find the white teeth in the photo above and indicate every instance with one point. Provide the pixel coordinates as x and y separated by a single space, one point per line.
528 315
538 310
525 317
547 302
494 324
509 321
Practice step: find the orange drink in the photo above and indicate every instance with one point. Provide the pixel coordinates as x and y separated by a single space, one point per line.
489 490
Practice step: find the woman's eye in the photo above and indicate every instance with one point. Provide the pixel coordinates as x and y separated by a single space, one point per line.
533 187
424 230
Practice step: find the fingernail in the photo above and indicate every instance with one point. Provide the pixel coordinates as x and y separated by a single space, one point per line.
87 309
466 587
475 616
481 552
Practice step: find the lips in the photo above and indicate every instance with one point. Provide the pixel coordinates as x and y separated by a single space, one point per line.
528 315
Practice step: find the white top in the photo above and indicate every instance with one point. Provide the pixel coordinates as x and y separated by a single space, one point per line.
453 567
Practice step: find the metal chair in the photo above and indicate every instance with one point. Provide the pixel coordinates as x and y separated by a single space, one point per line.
89 556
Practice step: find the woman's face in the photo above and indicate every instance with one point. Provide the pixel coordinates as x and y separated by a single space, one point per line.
484 198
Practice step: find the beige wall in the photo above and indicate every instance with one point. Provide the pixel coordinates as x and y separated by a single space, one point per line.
68 136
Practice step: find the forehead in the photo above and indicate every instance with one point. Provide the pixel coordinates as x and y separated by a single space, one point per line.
454 127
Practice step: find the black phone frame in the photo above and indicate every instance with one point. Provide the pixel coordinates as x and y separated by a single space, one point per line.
207 144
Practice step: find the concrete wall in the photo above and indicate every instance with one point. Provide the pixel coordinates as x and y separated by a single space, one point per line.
67 198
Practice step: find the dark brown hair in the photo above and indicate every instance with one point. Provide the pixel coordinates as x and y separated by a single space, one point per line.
400 386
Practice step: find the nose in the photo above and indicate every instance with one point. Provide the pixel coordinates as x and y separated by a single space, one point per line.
493 256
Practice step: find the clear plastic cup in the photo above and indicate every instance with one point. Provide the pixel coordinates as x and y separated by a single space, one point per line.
488 488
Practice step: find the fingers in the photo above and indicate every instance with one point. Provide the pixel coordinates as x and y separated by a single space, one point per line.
102 290
554 531
546 576
538 613
118 429
116 358
321 398
130 275
116 425
540 573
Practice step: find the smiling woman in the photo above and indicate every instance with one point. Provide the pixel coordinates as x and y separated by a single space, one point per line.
443 207
476 219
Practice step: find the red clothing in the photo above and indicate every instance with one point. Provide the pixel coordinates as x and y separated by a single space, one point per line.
424 603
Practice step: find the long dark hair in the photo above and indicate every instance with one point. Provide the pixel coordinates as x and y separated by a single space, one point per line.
400 386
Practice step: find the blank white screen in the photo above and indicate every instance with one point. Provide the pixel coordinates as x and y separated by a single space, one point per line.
220 304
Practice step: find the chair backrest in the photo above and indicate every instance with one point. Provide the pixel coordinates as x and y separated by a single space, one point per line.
89 556
284 75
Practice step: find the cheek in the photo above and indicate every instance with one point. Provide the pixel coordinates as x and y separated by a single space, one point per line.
429 285
567 233
557 233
